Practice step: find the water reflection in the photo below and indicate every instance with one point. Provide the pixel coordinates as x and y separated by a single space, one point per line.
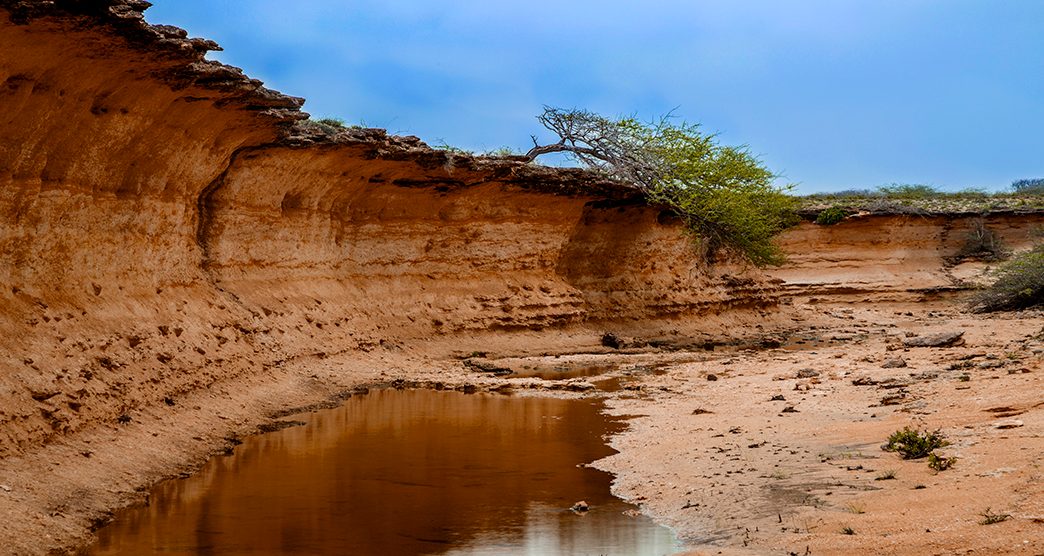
401 472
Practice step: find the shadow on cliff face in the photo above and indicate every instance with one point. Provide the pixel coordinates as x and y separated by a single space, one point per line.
605 237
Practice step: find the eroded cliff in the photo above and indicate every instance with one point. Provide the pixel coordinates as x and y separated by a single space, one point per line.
183 255
899 257
167 224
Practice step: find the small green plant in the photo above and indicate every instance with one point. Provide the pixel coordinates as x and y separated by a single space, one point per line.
940 463
503 152
886 476
989 518
972 193
444 146
914 444
831 216
846 530
847 194
332 122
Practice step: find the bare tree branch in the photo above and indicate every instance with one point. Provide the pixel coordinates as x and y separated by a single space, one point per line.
562 147
604 144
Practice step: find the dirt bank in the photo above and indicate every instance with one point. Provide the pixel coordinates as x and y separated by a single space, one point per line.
167 225
183 259
897 257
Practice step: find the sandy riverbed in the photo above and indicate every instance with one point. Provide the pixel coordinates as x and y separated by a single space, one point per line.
728 467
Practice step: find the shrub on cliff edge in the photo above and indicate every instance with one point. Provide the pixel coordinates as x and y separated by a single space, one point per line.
831 216
724 195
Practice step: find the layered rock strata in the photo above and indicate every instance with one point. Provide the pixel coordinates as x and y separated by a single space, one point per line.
162 216
900 257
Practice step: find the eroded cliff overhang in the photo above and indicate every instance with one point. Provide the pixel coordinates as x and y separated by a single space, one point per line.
168 224
115 33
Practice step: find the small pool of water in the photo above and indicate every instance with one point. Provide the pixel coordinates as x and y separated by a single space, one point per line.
402 472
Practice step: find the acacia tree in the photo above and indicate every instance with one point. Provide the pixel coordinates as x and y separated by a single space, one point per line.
723 194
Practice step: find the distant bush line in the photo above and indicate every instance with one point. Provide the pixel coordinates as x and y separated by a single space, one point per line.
907 191
919 199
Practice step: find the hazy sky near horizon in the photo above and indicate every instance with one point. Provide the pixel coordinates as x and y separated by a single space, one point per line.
832 94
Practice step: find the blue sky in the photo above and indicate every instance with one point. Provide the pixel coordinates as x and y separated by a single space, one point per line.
832 94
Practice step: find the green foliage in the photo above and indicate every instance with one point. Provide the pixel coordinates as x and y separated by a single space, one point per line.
854 193
922 200
724 195
331 125
908 191
844 194
1028 186
331 122
914 444
1018 284
444 146
920 192
831 216
503 152
940 463
989 518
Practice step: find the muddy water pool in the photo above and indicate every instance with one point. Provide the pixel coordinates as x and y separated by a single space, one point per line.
402 472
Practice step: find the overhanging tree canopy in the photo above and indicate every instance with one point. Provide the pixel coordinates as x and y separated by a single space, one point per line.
724 194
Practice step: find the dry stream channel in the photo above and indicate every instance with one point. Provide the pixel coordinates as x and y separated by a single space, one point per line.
403 472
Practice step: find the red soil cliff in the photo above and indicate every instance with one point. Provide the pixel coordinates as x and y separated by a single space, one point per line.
162 215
